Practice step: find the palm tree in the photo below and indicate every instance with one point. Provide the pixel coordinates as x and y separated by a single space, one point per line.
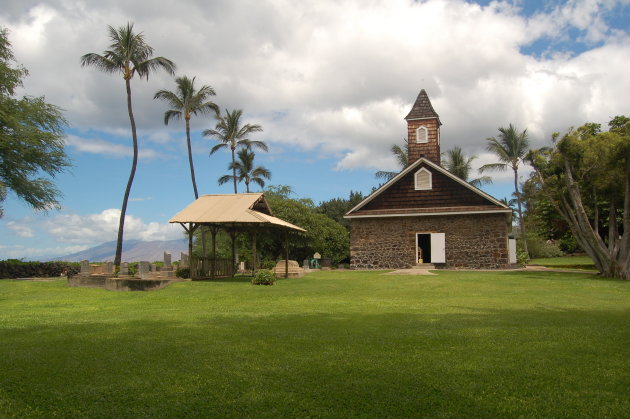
402 158
246 171
229 133
129 55
456 162
186 101
511 147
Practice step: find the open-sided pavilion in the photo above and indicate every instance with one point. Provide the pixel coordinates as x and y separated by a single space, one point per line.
233 213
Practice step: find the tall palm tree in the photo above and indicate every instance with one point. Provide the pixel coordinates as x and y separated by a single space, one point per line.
402 158
456 162
245 170
511 147
128 54
186 101
229 133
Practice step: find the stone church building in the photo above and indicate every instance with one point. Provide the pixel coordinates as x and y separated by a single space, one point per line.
426 214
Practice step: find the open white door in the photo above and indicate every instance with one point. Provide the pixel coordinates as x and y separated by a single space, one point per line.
438 248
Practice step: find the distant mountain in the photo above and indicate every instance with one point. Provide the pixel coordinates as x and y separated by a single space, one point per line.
133 251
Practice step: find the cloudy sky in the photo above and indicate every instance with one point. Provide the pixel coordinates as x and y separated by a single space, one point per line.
329 81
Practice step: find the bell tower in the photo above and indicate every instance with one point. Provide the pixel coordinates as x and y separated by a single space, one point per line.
423 130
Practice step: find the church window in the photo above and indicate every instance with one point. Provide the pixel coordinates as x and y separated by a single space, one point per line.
422 135
423 180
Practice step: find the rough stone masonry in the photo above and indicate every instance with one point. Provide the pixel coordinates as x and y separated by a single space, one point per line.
475 241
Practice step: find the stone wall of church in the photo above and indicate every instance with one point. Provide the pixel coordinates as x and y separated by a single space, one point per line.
477 241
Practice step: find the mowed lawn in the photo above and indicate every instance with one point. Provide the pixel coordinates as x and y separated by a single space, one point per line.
331 344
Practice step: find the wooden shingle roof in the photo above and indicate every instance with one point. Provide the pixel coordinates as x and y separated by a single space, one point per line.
450 195
422 108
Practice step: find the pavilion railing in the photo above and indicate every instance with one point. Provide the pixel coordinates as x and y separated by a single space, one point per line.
222 268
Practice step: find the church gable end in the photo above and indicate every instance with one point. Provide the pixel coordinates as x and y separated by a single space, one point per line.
443 192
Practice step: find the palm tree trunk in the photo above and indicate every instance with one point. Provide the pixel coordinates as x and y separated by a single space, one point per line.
520 212
233 169
123 211
194 183
247 186
190 160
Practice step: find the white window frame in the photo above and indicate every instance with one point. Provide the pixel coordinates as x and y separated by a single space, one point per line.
419 187
425 135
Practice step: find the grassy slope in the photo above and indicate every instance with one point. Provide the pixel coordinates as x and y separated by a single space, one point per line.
336 344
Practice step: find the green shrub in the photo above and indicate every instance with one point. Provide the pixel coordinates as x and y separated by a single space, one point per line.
521 256
540 248
568 244
183 272
15 268
268 264
264 277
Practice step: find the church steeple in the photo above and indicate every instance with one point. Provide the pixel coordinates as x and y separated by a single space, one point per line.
423 130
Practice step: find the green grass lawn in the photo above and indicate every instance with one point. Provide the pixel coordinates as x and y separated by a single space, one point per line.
331 344
569 262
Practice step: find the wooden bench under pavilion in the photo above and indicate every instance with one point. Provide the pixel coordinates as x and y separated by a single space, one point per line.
233 213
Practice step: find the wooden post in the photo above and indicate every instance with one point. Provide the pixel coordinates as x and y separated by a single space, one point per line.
254 251
213 265
190 230
204 255
233 268
286 254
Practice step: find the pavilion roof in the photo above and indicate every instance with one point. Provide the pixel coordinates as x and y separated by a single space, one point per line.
231 209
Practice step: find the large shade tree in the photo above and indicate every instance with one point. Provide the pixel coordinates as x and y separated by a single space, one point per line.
245 170
459 164
511 147
584 172
128 55
231 134
31 138
185 102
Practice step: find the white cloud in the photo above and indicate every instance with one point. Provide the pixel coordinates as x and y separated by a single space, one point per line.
22 230
103 227
334 77
107 148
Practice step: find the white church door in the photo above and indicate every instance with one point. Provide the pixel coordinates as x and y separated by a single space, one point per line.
430 248
438 248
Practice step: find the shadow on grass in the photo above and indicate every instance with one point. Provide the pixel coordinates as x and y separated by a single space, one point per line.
226 279
493 363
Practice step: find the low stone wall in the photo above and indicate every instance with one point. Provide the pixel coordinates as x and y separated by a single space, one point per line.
91 281
477 241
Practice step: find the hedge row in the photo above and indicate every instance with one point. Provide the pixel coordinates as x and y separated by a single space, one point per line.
13 268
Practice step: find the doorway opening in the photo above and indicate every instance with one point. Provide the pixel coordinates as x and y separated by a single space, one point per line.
423 245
